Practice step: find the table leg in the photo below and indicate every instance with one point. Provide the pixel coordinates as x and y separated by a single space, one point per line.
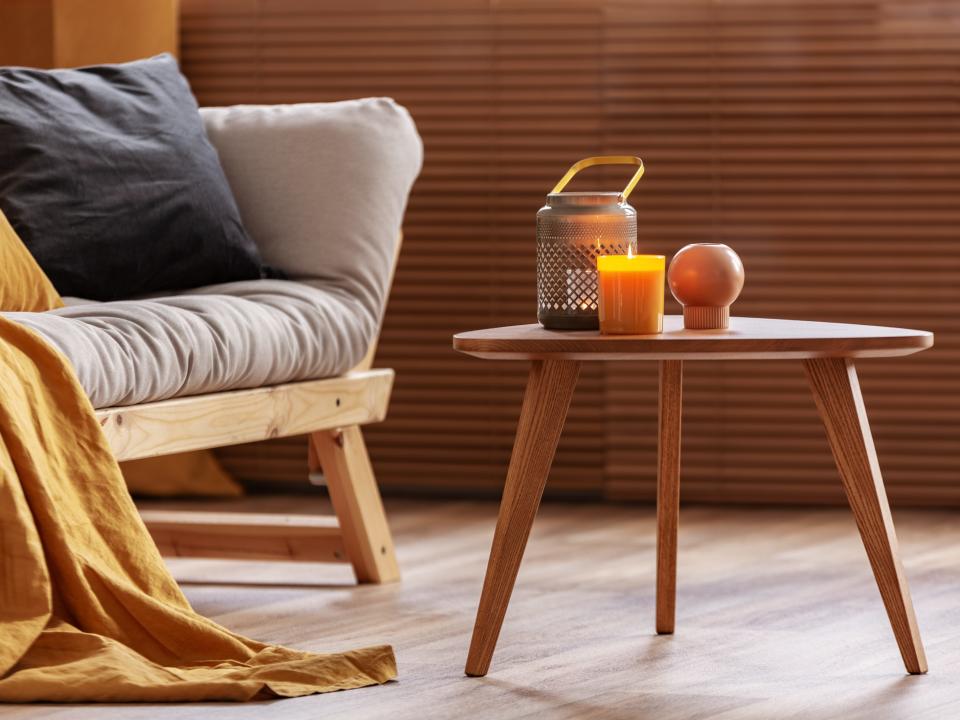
545 404
668 491
836 390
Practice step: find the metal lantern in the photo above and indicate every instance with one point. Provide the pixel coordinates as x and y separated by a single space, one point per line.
573 228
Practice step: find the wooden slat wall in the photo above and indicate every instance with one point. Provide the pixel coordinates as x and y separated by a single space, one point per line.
820 139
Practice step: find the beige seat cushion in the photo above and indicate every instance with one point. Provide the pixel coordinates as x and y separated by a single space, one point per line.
222 337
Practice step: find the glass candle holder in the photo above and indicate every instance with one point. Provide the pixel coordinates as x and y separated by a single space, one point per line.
631 289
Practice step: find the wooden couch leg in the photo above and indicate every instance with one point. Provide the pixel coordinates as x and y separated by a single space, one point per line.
356 500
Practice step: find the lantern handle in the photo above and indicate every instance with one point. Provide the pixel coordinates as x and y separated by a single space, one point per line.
604 160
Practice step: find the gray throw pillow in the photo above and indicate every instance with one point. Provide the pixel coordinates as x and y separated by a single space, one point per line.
108 177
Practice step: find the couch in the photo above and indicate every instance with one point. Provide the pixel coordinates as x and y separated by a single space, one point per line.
322 189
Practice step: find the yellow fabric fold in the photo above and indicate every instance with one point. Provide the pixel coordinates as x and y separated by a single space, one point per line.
23 285
181 474
88 610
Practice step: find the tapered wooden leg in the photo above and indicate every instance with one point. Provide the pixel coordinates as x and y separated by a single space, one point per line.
356 500
837 393
545 404
668 491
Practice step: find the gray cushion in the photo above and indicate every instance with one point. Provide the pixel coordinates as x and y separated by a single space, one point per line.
108 177
322 189
235 335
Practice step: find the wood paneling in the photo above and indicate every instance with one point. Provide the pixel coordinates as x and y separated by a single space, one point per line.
70 33
819 139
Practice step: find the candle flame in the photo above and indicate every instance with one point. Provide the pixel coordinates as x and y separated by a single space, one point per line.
630 251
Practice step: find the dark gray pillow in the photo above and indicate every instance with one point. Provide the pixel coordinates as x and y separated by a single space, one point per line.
108 177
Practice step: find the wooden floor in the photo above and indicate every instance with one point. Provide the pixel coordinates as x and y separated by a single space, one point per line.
778 617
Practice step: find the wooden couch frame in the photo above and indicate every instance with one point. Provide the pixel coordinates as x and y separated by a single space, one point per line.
331 412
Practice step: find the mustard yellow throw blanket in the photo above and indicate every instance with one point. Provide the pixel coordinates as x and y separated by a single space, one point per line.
88 611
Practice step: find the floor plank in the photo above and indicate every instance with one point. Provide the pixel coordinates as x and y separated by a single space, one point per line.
778 616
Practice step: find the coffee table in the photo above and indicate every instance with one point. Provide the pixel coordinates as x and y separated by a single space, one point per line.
827 350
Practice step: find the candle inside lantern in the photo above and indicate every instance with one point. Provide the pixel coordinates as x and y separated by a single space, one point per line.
631 294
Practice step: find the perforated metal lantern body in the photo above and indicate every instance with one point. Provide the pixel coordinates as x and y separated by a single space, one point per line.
573 228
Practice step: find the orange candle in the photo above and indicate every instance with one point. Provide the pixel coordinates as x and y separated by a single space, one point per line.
631 294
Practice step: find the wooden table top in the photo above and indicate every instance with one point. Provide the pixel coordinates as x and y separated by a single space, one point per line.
746 339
